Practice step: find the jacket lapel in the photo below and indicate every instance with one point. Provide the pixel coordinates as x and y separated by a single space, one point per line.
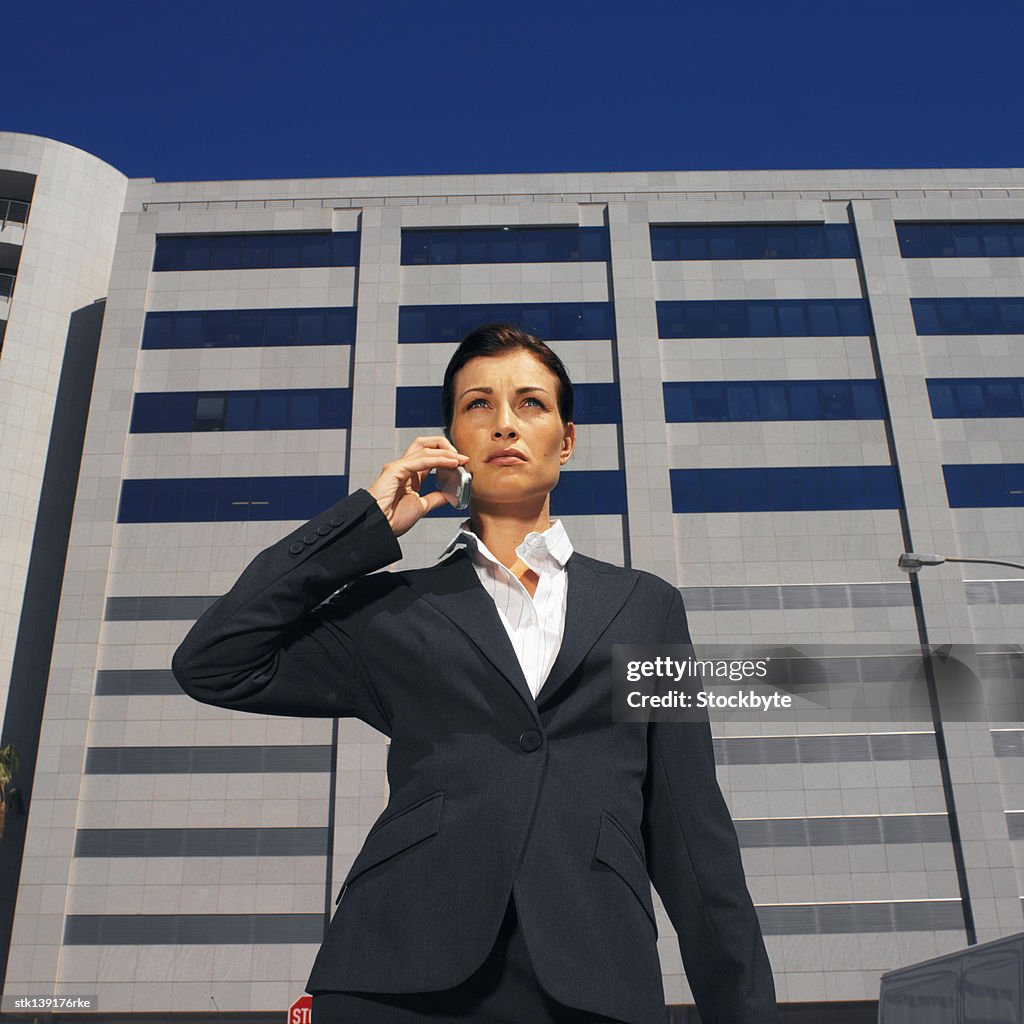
455 590
596 593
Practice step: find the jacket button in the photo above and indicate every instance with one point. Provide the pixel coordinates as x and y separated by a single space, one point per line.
337 520
310 538
530 740
297 548
323 529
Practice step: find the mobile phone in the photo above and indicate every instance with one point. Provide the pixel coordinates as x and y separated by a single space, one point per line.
455 484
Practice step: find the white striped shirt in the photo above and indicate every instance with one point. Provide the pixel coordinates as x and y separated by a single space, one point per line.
534 624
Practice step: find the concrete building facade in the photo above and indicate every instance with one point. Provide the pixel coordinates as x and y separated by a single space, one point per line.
785 379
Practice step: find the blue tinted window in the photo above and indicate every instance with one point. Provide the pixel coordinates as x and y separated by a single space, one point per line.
741 401
762 318
853 317
537 320
1012 313
158 331
773 400
249 327
197 254
296 409
503 247
226 252
563 320
938 240
256 251
836 401
751 489
310 329
593 245
841 241
783 489
344 253
596 403
678 399
992 485
867 399
940 394
731 320
591 492
781 243
241 411
315 250
794 319
695 320
169 252
272 411
752 241
555 244
984 316
690 245
911 239
418 407
824 320
219 326
953 397
281 327
709 402
963 239
723 244
285 251
926 316
1002 398
228 499
968 316
804 400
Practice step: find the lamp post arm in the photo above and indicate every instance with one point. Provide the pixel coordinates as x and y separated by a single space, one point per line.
986 561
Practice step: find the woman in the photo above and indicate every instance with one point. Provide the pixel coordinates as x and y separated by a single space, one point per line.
508 879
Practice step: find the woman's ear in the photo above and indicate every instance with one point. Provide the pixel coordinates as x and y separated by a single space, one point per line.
568 443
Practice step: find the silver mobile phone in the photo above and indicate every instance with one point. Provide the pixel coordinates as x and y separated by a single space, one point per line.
455 484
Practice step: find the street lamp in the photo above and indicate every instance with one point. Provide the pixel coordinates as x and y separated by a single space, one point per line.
910 561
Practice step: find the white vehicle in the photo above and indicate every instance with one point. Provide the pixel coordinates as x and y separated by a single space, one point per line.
982 984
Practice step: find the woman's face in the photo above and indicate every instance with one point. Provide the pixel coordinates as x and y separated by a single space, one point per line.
507 402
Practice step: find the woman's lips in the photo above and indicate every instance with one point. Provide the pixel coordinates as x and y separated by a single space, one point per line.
506 460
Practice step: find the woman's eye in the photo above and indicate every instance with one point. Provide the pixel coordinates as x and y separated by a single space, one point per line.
537 400
475 400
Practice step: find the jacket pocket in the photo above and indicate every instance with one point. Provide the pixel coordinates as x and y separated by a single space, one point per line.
618 851
395 833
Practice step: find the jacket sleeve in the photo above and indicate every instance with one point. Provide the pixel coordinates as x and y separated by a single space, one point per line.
693 858
273 644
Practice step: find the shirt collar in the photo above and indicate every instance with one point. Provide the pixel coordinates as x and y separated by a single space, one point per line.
547 551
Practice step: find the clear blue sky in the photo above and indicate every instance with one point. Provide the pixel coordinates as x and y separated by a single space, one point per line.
304 88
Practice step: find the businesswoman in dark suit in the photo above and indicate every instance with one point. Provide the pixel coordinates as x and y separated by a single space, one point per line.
508 879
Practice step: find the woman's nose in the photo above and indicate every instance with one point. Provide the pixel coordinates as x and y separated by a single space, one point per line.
504 422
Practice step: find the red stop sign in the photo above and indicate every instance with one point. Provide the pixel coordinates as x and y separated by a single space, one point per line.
301 1011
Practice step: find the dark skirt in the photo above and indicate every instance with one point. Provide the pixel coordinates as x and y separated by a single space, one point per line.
504 990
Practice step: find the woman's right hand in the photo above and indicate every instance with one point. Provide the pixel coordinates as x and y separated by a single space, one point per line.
397 488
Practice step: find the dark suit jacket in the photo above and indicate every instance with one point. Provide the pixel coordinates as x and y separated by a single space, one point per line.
492 791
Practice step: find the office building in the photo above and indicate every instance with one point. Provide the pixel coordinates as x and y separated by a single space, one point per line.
785 379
